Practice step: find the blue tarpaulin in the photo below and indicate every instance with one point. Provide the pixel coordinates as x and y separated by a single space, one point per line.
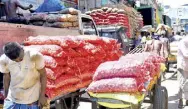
50 6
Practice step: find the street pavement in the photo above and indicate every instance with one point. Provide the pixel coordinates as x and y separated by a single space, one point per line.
170 83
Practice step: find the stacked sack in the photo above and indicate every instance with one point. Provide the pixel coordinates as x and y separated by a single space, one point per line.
124 16
71 61
64 19
131 74
110 16
140 21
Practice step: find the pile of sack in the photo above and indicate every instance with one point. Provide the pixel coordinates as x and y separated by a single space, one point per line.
63 19
123 83
140 21
110 16
122 15
72 60
130 74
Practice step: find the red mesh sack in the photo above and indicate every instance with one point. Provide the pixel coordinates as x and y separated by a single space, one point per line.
72 42
68 88
150 61
50 74
51 50
90 58
69 52
66 79
82 68
121 69
42 40
114 55
109 41
128 85
86 75
63 41
83 84
88 49
50 84
74 71
52 93
61 70
61 61
56 72
91 39
79 61
50 62
94 65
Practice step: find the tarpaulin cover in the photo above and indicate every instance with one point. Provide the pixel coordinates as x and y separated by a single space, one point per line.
50 6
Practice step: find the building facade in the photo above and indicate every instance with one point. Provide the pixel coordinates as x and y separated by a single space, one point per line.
178 15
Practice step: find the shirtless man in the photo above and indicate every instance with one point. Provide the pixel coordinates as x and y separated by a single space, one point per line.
154 46
158 47
166 47
11 7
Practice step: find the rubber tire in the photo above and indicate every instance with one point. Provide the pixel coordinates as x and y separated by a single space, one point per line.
76 101
165 93
160 98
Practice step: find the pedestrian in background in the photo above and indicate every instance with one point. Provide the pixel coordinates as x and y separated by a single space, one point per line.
182 66
138 39
177 37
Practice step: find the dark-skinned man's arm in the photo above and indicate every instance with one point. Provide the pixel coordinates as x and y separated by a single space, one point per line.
6 74
6 83
40 66
43 80
22 6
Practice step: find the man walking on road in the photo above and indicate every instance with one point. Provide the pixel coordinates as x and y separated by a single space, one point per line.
182 65
24 77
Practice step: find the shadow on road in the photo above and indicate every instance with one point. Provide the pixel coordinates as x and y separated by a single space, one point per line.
173 98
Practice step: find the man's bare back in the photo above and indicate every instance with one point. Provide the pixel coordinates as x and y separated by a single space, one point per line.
11 7
154 46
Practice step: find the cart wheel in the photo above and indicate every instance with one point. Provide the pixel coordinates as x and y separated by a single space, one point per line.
67 103
160 99
72 102
165 93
